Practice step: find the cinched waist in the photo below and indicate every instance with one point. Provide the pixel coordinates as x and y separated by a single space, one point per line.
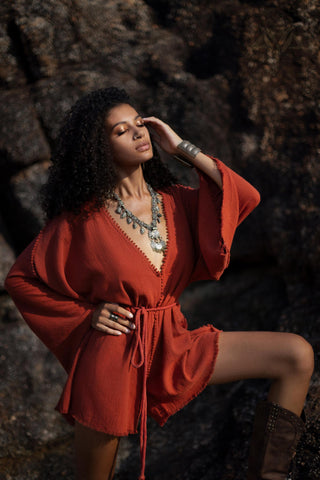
153 309
140 333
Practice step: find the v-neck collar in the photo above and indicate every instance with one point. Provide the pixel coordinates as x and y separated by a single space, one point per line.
165 211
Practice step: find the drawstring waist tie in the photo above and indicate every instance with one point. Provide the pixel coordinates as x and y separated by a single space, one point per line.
139 349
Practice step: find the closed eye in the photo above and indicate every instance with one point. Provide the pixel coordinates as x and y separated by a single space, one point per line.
126 130
122 132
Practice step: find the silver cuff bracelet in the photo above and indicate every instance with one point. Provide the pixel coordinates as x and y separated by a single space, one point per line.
188 149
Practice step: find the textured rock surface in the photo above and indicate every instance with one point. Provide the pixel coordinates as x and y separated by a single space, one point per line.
22 139
7 253
239 78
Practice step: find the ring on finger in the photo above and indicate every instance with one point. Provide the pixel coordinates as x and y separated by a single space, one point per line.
113 316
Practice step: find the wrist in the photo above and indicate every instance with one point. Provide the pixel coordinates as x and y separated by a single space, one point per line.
186 152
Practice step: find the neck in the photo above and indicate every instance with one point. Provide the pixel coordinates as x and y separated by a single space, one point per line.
131 184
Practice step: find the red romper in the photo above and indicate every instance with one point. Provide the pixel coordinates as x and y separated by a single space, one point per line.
70 267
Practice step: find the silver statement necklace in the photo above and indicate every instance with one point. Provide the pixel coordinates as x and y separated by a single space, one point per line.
156 242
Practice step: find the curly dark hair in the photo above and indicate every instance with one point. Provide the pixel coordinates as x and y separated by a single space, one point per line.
82 172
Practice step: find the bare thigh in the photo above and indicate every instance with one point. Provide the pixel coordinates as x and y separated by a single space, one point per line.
270 355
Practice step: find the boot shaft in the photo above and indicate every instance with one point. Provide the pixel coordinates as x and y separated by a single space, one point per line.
276 433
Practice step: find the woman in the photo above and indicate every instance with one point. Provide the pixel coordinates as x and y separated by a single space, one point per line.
100 286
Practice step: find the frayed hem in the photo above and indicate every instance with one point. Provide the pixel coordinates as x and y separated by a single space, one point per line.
161 415
71 418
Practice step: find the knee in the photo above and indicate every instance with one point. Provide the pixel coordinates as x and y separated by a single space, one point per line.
301 355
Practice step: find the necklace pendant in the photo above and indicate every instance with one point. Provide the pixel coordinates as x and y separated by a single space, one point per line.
154 234
158 246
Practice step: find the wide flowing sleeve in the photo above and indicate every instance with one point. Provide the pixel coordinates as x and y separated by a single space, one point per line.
39 287
215 214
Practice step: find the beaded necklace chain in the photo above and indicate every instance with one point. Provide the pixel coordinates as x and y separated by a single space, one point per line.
156 242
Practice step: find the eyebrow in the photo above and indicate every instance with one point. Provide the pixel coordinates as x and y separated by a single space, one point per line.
125 121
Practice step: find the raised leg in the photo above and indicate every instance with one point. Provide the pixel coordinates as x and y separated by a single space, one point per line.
96 454
285 358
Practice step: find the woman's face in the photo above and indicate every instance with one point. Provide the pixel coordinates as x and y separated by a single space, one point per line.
128 136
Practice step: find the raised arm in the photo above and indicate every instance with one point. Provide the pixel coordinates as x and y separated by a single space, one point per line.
169 141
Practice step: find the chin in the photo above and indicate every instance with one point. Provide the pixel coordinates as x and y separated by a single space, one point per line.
147 158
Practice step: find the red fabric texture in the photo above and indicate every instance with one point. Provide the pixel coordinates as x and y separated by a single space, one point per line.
73 265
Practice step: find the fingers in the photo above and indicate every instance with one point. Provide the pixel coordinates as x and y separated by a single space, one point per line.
153 120
165 137
117 309
155 123
112 319
155 127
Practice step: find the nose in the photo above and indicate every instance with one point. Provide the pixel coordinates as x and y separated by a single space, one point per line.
137 134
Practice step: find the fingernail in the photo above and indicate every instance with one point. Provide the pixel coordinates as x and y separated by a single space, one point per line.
119 333
130 315
127 330
132 325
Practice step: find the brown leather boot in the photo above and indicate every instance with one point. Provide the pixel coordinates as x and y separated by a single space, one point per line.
276 433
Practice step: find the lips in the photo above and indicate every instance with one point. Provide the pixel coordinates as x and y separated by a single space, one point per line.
142 147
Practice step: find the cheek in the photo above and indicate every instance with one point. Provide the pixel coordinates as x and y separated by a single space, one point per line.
118 148
147 133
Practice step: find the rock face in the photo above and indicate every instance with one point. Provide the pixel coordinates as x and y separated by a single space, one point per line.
238 78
